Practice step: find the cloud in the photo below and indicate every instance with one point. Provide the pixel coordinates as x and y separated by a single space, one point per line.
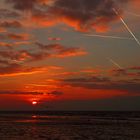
54 38
12 55
55 93
88 80
5 13
23 4
4 62
39 53
21 92
58 50
135 68
2 30
27 4
12 62
16 92
133 71
11 24
13 69
15 36
66 74
17 69
4 44
71 52
18 36
85 15
103 83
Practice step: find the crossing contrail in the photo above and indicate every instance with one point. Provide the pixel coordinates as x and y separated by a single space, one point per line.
128 29
107 36
114 63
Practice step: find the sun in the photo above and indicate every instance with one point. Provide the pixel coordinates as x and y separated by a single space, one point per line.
34 102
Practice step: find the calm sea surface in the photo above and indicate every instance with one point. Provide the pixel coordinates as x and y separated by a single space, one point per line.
74 125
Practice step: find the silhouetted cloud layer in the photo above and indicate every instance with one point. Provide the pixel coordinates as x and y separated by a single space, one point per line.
104 83
30 93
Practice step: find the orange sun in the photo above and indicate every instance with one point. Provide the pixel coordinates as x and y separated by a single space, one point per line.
34 102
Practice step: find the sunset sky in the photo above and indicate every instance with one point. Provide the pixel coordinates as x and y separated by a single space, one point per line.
70 54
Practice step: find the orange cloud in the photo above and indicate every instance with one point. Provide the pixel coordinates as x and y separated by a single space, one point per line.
18 36
2 30
54 38
71 52
16 69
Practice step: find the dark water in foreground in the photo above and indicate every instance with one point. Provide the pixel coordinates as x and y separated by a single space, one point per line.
62 125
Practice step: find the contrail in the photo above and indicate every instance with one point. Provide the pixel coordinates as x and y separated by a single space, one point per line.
128 29
114 63
106 36
134 14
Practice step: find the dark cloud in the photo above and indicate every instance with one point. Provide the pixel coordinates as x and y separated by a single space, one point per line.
16 92
104 83
13 55
83 15
23 4
11 24
14 36
55 93
4 62
18 36
135 68
119 72
13 61
130 71
88 80
21 92
5 13
41 52
59 50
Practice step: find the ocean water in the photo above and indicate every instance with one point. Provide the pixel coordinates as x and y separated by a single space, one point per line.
74 125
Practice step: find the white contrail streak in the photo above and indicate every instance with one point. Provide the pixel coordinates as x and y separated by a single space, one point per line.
111 37
129 30
115 63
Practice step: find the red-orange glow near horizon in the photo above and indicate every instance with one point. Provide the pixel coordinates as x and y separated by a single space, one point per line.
34 102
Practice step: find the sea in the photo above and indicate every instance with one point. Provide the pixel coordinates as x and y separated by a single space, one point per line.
69 125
